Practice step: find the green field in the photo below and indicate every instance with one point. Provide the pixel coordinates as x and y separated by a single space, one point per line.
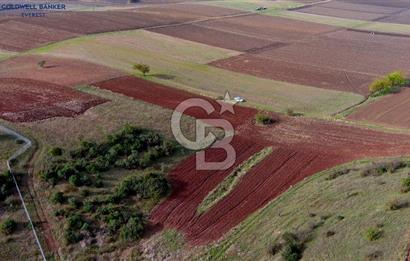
186 68
346 206
8 146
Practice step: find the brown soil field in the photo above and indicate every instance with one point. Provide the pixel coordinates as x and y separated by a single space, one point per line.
30 100
20 33
275 29
399 18
383 3
214 37
391 110
341 60
297 73
19 36
302 147
61 71
358 11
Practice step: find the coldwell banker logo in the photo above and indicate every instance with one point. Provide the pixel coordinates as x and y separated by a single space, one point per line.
206 140
32 9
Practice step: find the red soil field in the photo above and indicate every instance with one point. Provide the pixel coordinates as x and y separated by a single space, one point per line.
302 147
28 100
341 60
170 98
61 71
391 110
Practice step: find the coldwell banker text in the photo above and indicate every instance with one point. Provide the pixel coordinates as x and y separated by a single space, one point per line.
33 10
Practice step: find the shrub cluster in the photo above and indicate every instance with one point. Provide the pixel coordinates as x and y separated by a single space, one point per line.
389 84
264 119
405 185
373 234
152 186
8 226
6 185
293 247
130 148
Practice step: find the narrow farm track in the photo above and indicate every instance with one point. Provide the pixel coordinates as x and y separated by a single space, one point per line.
26 145
302 147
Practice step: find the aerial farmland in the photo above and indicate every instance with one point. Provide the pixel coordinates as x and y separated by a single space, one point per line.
205 130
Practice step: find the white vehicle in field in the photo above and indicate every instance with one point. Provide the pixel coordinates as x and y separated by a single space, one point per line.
239 99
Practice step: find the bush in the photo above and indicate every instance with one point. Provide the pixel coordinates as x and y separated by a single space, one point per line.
6 185
56 151
143 68
152 185
57 197
74 203
373 234
337 173
133 229
293 248
405 185
8 226
71 237
264 119
396 78
389 84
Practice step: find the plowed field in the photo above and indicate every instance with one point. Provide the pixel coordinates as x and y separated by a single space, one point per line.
28 100
62 71
302 147
391 111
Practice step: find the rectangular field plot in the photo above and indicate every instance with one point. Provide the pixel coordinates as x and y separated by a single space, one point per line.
342 60
350 10
391 110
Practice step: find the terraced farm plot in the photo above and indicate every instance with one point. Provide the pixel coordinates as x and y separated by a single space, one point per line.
185 68
391 110
30 100
61 71
327 61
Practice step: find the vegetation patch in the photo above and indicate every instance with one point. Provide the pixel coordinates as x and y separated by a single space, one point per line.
373 234
229 183
115 213
8 226
391 83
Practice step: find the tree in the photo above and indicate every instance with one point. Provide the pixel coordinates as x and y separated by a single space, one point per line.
41 63
143 68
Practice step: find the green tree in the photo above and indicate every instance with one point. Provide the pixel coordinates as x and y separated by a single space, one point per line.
143 68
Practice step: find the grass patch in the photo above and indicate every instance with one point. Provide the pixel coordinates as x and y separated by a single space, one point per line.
186 68
229 183
173 240
254 237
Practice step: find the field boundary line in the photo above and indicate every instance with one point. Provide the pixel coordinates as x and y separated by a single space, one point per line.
24 148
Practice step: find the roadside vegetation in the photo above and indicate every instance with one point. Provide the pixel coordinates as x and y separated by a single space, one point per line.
391 83
229 183
314 219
